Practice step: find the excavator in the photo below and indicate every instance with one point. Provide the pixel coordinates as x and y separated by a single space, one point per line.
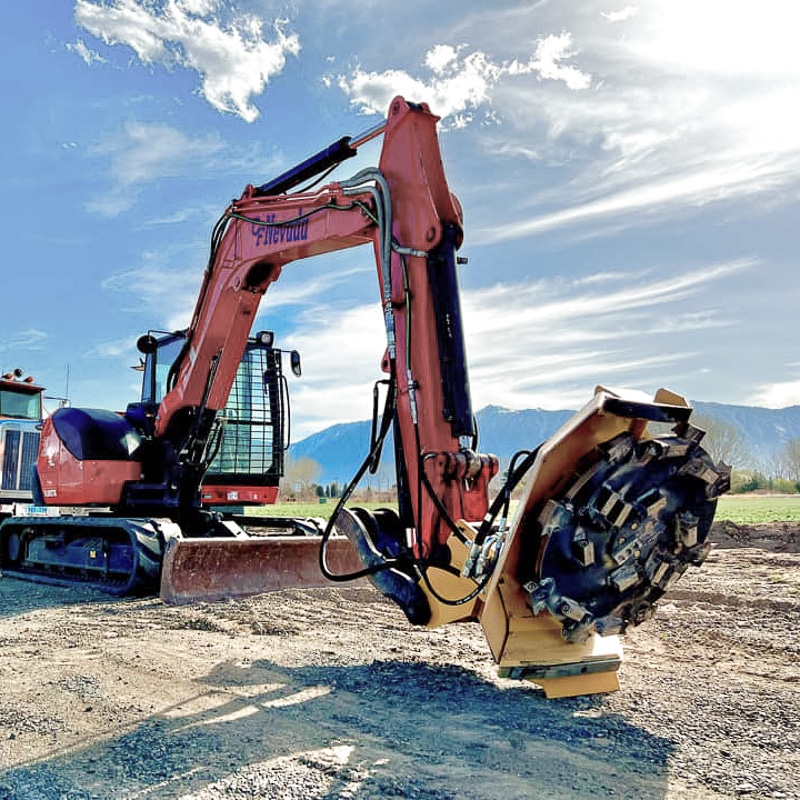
615 506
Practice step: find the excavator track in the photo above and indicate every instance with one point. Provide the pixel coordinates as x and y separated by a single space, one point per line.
117 556
212 559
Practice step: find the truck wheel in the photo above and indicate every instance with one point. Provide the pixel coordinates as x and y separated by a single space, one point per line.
13 549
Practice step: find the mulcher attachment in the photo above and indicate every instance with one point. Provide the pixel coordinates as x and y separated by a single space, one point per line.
634 517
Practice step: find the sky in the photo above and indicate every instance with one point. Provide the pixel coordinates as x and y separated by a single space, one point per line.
629 174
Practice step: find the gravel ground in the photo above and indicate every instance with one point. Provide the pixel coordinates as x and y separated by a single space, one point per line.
331 694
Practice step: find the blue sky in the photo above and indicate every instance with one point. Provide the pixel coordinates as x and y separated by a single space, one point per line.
629 177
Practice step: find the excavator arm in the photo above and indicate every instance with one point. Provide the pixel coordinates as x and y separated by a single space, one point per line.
406 212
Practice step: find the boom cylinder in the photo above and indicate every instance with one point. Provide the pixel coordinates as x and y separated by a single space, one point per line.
329 156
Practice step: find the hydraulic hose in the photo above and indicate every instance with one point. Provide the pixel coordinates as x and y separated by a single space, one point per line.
385 425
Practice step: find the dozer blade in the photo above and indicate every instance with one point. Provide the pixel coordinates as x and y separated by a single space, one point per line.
196 570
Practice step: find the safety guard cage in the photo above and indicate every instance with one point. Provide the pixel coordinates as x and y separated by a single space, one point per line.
249 441
251 449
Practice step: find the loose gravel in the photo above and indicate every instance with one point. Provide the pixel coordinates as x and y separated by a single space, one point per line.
331 694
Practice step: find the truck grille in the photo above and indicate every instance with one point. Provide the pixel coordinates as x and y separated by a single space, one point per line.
19 457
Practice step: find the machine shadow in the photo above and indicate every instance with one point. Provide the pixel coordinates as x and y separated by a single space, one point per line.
383 729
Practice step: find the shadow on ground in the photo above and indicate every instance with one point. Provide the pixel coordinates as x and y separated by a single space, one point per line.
386 729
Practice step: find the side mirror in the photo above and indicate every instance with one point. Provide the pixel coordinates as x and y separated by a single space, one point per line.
294 359
147 344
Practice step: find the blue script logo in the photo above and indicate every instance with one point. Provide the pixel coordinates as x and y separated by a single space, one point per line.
279 232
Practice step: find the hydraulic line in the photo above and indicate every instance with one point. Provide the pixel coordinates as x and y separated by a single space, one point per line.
361 183
386 421
421 563
501 501
372 182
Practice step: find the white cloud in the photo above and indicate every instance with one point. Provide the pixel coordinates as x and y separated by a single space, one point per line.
303 293
548 64
341 355
234 62
115 349
178 216
441 57
621 15
341 348
574 305
717 37
553 342
637 204
28 339
558 338
142 153
684 111
778 395
159 284
462 82
88 55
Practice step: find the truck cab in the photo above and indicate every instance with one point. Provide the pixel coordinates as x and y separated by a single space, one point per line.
21 414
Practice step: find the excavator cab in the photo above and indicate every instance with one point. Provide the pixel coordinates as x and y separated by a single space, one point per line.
251 434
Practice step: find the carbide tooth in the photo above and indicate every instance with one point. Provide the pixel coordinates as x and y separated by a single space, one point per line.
722 483
609 625
539 594
624 577
698 554
673 577
619 449
659 574
583 548
615 509
578 634
623 514
696 468
685 430
547 512
581 480
570 609
687 529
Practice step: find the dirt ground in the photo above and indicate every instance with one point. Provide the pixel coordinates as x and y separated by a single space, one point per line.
331 694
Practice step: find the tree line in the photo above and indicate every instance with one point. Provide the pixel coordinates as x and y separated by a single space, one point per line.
723 441
727 443
301 482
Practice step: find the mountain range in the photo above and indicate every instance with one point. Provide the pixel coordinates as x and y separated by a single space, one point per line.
340 449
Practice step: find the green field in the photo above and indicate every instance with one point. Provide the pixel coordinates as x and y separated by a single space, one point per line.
752 508
738 508
323 510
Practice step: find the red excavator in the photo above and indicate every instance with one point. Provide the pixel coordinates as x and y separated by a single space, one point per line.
616 505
